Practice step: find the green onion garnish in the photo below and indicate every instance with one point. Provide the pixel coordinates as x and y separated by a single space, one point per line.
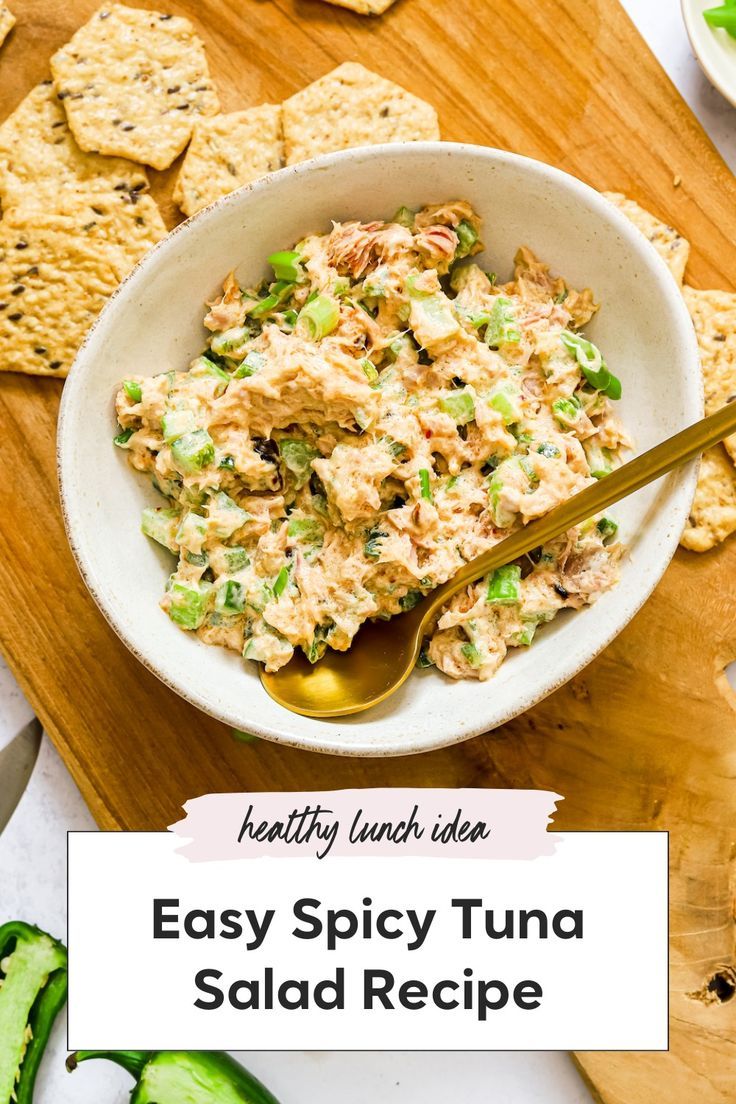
286 265
426 490
320 316
133 390
502 328
122 438
281 580
370 370
593 366
503 586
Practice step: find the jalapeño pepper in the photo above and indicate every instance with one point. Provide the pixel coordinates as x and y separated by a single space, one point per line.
33 983
183 1076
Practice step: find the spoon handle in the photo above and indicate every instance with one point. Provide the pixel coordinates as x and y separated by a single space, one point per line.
631 477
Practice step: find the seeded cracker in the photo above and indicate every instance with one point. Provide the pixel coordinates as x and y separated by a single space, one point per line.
671 246
39 157
7 22
51 290
227 151
125 225
364 7
713 514
353 107
134 83
714 317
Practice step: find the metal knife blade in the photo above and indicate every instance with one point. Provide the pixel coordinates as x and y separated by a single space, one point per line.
17 761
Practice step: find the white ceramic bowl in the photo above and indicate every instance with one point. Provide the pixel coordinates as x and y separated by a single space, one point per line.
153 323
714 47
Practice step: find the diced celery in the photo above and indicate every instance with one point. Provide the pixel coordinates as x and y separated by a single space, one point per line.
230 516
175 423
252 363
527 466
460 405
341 287
230 597
503 586
503 518
400 342
371 372
161 525
567 411
374 285
198 559
188 603
472 655
298 455
502 328
599 459
506 399
526 635
192 530
193 451
133 390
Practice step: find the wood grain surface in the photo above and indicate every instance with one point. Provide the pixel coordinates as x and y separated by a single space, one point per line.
644 738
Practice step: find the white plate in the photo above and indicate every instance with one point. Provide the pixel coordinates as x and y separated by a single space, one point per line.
714 47
153 323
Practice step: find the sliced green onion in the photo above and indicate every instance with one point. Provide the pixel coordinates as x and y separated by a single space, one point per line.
405 217
320 316
467 237
426 490
472 655
286 265
549 450
370 370
133 390
503 586
607 527
372 547
724 17
567 411
460 405
599 459
277 293
280 584
253 363
193 451
502 328
424 661
228 342
227 463
410 599
121 440
593 366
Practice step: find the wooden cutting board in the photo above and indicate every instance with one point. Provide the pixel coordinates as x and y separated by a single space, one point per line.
645 738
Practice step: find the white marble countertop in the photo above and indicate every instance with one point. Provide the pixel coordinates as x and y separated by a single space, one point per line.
33 846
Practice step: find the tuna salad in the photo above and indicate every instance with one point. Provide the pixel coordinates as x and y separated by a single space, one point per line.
360 425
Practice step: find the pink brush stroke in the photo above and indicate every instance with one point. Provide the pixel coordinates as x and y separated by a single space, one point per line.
517 820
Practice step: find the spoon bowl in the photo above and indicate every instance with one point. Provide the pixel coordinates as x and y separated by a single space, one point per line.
384 653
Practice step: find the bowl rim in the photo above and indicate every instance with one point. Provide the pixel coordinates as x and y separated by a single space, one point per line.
323 741
690 14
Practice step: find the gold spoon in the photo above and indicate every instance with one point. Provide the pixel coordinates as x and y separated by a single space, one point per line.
383 653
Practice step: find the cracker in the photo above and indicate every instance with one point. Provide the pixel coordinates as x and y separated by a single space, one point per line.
351 106
714 317
51 290
7 22
671 246
713 514
227 151
39 157
134 83
124 225
364 7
